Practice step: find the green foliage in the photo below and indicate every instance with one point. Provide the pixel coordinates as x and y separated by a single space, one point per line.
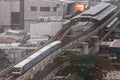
90 67
72 77
64 79
4 62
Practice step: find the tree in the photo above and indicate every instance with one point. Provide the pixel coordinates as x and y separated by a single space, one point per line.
4 62
72 77
90 67
64 79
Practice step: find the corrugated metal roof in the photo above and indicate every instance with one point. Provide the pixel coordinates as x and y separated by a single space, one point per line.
95 10
99 16
98 12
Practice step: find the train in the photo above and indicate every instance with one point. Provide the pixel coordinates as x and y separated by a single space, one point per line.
111 24
33 59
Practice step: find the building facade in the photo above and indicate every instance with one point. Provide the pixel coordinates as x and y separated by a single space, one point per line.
9 10
12 11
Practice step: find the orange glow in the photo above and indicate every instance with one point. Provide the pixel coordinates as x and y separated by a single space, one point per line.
79 8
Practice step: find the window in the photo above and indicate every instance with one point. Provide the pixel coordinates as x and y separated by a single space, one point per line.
57 5
33 8
44 8
15 17
15 20
54 9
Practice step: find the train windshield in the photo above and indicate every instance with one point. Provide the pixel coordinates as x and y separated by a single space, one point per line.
17 70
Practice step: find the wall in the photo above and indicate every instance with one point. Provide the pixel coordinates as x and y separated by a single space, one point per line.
32 16
44 28
6 7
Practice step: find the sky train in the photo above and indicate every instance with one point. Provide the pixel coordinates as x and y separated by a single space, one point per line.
111 24
27 63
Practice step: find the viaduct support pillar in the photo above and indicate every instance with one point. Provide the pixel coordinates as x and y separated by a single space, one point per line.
84 46
94 43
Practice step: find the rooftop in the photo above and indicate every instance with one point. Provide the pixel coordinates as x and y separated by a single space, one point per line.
97 12
10 45
13 36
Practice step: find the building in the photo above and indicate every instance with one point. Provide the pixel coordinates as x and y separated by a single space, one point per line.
36 42
111 48
11 16
12 36
44 29
9 12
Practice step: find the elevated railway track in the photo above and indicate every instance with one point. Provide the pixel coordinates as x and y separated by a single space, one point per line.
93 31
7 73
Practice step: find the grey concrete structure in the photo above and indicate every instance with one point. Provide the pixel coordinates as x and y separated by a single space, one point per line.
80 27
85 47
94 42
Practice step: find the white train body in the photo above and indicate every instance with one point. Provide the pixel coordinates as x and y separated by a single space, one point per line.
27 63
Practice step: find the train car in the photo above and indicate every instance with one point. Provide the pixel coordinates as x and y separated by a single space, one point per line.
111 24
26 64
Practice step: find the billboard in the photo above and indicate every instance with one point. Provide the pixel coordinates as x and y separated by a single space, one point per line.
81 6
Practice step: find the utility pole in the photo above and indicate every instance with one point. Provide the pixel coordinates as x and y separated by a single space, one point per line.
21 14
